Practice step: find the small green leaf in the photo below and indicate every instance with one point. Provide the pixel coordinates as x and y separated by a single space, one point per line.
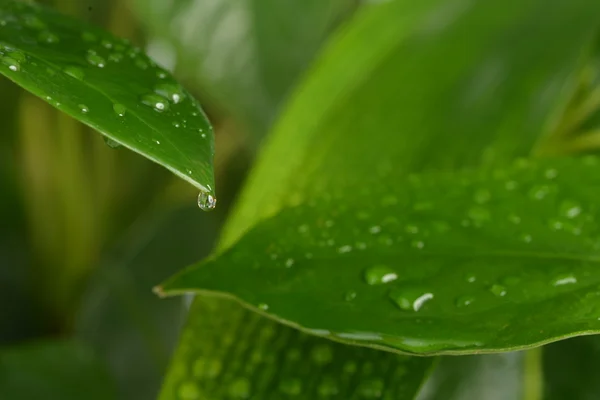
53 370
456 264
244 355
109 85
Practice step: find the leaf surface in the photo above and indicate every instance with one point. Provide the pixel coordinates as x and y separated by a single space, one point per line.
108 84
456 264
243 355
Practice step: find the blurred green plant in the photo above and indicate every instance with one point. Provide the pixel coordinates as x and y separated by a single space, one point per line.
385 210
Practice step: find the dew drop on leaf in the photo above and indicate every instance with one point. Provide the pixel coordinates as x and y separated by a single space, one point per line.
410 299
570 209
96 60
170 91
75 72
206 201
48 37
83 108
379 274
566 279
498 290
11 63
464 301
155 101
119 109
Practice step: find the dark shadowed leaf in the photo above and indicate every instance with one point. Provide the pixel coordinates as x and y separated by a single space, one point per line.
109 85
457 264
53 370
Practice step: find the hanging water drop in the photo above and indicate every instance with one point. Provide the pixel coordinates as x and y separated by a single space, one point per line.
206 201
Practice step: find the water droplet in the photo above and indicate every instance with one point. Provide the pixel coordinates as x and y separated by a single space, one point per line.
240 388
111 143
96 60
156 141
75 72
379 274
417 244
350 295
172 92
263 306
107 44
372 388
570 209
11 63
482 196
48 37
327 388
498 290
83 108
566 279
411 229
514 218
539 192
551 173
289 262
161 74
322 354
464 301
345 249
88 37
375 229
206 201
115 57
527 238
470 278
189 391
119 109
410 299
155 101
291 386
479 215
176 124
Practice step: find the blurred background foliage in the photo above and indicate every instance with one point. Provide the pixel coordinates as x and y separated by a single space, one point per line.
87 230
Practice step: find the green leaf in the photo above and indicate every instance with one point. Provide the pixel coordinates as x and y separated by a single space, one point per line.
242 355
457 264
418 95
53 370
109 85
245 54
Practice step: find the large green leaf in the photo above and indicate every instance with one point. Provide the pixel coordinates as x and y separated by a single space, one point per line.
241 355
456 264
422 85
246 54
53 370
108 84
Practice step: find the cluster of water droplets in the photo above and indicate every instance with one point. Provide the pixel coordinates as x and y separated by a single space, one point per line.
498 226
